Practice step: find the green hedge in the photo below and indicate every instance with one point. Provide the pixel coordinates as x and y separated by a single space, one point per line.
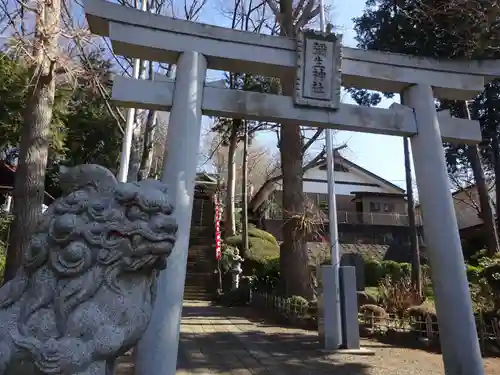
267 276
474 273
262 245
375 271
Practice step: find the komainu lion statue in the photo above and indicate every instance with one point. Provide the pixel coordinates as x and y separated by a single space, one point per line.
85 291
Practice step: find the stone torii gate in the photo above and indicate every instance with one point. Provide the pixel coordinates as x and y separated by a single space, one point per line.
194 47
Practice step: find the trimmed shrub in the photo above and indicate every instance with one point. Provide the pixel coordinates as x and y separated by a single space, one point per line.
262 246
236 297
375 271
259 233
268 276
492 275
395 270
474 273
476 257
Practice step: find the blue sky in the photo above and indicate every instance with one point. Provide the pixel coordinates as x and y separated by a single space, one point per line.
382 155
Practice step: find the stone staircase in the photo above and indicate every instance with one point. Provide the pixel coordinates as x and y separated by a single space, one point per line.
199 273
201 261
201 255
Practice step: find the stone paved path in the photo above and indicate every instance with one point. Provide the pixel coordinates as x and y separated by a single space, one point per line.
218 340
232 341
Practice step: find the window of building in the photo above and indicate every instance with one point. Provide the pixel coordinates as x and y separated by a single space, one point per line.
389 207
374 207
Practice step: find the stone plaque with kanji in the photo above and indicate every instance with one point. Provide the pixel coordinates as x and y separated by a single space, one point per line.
318 77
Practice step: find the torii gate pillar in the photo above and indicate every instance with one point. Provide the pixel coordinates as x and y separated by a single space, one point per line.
457 328
157 350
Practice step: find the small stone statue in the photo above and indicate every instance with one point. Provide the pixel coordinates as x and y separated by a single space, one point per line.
85 291
236 268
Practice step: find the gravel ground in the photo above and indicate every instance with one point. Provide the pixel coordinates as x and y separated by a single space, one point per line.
216 340
391 360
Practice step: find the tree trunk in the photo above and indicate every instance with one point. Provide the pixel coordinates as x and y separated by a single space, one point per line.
484 200
148 138
416 272
482 190
263 193
148 147
35 134
136 147
244 190
230 221
293 251
135 151
496 163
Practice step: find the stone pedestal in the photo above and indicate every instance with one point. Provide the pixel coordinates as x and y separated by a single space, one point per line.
349 311
328 318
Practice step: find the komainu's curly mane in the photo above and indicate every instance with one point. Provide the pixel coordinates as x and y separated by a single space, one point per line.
100 235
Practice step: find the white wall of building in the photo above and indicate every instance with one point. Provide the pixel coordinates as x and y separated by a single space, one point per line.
353 176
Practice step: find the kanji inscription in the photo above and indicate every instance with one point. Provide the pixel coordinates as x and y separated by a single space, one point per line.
318 70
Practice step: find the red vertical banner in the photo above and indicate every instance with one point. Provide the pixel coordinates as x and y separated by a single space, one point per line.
218 250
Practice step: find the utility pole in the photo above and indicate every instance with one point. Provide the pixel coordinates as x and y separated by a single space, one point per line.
129 126
416 274
332 213
416 269
244 189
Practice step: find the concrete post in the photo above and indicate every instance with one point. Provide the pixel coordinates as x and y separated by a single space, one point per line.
333 230
157 351
349 298
457 328
329 324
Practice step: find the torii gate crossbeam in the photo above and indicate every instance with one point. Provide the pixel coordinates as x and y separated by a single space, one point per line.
195 47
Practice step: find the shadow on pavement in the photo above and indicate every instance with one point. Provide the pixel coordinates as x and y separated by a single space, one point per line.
258 353
249 350
252 351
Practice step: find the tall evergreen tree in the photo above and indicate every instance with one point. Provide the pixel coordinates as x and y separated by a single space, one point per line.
92 133
448 30
81 130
